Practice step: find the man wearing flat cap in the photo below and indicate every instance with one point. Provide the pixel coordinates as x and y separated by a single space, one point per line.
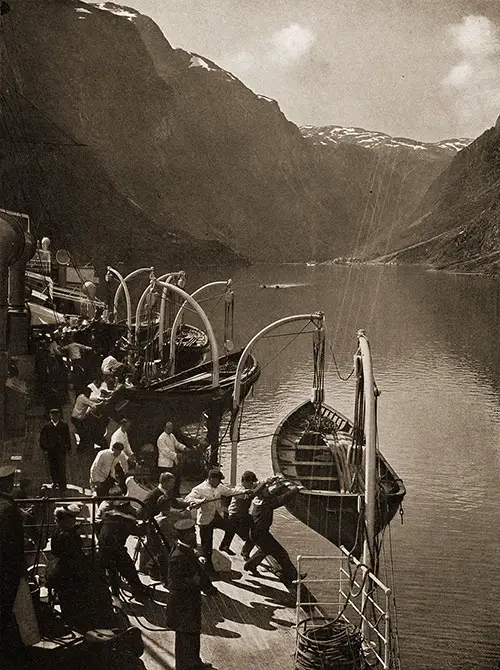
11 562
207 497
186 581
55 441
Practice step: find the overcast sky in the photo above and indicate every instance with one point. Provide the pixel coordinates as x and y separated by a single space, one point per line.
424 69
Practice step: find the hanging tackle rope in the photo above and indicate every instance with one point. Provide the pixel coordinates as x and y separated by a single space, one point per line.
228 319
318 394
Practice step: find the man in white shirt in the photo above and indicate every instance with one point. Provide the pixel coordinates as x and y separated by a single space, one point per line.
105 470
207 496
121 435
169 450
84 422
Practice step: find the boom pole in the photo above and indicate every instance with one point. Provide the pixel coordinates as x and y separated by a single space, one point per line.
370 429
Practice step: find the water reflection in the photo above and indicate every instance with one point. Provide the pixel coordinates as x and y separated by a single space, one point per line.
436 357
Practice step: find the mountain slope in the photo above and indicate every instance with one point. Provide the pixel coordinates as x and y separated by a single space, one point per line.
456 226
385 177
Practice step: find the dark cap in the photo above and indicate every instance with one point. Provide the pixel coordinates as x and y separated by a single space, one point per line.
54 409
6 471
70 510
215 472
183 525
249 476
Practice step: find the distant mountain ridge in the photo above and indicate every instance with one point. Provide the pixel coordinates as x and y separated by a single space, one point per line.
383 178
372 139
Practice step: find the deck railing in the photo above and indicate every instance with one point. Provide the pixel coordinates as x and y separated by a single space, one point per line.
339 597
39 524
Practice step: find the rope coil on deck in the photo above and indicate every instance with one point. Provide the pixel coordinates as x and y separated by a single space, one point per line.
328 645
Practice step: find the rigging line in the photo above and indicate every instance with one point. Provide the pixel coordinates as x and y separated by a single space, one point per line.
347 285
210 297
21 154
300 332
7 107
377 229
344 379
389 237
374 214
45 142
35 159
214 307
285 347
19 116
247 439
44 116
395 628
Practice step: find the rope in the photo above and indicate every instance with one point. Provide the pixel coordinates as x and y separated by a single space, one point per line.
285 347
301 332
337 370
334 645
246 439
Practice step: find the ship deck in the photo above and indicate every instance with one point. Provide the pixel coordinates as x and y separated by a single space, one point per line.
249 624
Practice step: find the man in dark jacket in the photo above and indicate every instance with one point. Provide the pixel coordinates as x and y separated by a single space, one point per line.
11 562
165 489
117 524
154 554
270 495
239 520
56 442
186 581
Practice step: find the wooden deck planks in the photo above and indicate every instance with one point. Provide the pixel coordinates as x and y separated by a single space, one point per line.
248 625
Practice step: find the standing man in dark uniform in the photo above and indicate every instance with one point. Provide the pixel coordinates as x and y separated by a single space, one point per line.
56 442
11 564
186 581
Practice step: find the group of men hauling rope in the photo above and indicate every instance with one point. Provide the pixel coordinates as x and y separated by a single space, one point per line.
84 588
165 526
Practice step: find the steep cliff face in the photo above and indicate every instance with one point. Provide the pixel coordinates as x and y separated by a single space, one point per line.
77 85
456 226
383 178
156 152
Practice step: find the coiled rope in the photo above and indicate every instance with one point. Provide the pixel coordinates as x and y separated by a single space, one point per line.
334 645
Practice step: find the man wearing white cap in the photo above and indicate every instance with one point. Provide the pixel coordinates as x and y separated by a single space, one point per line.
186 581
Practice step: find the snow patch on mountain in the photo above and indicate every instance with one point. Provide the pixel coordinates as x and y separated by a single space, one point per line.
125 12
196 61
264 97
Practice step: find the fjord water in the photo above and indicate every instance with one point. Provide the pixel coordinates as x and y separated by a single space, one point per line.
435 344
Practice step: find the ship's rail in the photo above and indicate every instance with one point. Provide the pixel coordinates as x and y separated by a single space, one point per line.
39 524
342 597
